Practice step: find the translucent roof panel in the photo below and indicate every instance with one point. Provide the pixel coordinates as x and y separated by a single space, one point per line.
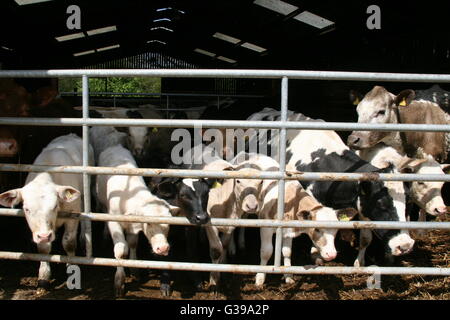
313 20
226 59
277 6
101 30
225 37
161 28
70 37
253 47
157 41
115 46
25 2
83 53
206 53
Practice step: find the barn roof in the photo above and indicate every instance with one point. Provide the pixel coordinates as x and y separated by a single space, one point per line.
288 34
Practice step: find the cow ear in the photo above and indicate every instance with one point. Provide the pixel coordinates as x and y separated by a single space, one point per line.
67 193
346 214
304 215
175 211
445 167
11 198
215 183
44 96
355 97
409 165
404 98
168 188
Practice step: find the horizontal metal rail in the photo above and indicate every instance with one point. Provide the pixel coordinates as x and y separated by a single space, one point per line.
294 125
241 174
188 266
146 94
251 223
230 73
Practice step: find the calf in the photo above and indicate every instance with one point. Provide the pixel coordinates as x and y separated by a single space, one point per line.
128 195
381 106
230 199
44 194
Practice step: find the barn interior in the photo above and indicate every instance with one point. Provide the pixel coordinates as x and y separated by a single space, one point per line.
233 34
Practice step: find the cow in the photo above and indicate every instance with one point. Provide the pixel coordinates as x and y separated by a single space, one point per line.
381 106
324 151
231 198
129 195
437 95
45 194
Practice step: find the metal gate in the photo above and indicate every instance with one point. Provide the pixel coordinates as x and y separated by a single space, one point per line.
281 175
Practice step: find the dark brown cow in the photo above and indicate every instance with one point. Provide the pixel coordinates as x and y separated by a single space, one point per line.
381 106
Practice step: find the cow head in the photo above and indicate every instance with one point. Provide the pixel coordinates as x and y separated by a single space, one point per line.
157 233
138 138
191 196
323 239
379 201
378 106
41 202
426 194
247 192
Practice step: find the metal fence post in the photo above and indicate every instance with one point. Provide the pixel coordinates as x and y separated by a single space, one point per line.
282 162
86 224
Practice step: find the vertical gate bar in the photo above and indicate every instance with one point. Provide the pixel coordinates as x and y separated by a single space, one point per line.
282 161
86 178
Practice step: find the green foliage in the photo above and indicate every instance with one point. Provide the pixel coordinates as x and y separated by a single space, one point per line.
118 85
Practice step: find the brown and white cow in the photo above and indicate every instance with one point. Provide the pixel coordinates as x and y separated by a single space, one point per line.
381 106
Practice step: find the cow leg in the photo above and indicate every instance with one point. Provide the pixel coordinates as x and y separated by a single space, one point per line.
232 247
44 268
241 239
365 238
120 252
287 251
420 233
132 240
215 251
265 253
192 235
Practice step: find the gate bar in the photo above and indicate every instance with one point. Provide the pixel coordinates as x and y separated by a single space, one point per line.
86 178
188 266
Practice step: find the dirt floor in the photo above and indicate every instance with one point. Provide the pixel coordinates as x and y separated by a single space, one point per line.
18 279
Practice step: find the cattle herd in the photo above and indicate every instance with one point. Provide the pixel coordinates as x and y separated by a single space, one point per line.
44 194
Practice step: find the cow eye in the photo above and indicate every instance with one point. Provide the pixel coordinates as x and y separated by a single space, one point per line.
238 181
421 183
381 113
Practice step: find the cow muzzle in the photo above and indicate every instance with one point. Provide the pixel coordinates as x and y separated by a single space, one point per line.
44 237
8 147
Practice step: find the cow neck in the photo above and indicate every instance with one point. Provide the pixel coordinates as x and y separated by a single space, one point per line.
402 133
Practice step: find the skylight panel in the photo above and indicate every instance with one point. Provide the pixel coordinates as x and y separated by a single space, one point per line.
25 2
101 30
206 53
83 53
313 20
157 41
226 59
162 20
70 37
161 28
108 48
225 37
277 6
253 47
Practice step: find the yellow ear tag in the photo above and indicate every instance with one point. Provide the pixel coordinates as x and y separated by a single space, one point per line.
343 217
356 102
68 195
154 130
403 103
216 185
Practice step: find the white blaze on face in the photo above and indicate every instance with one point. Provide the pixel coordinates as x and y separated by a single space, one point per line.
325 237
138 139
190 183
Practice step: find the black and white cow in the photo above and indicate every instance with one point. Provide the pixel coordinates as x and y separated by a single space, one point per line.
324 151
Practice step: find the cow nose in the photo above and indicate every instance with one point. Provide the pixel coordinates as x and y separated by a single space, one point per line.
44 237
138 151
405 248
201 218
251 207
162 250
353 140
440 210
329 256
